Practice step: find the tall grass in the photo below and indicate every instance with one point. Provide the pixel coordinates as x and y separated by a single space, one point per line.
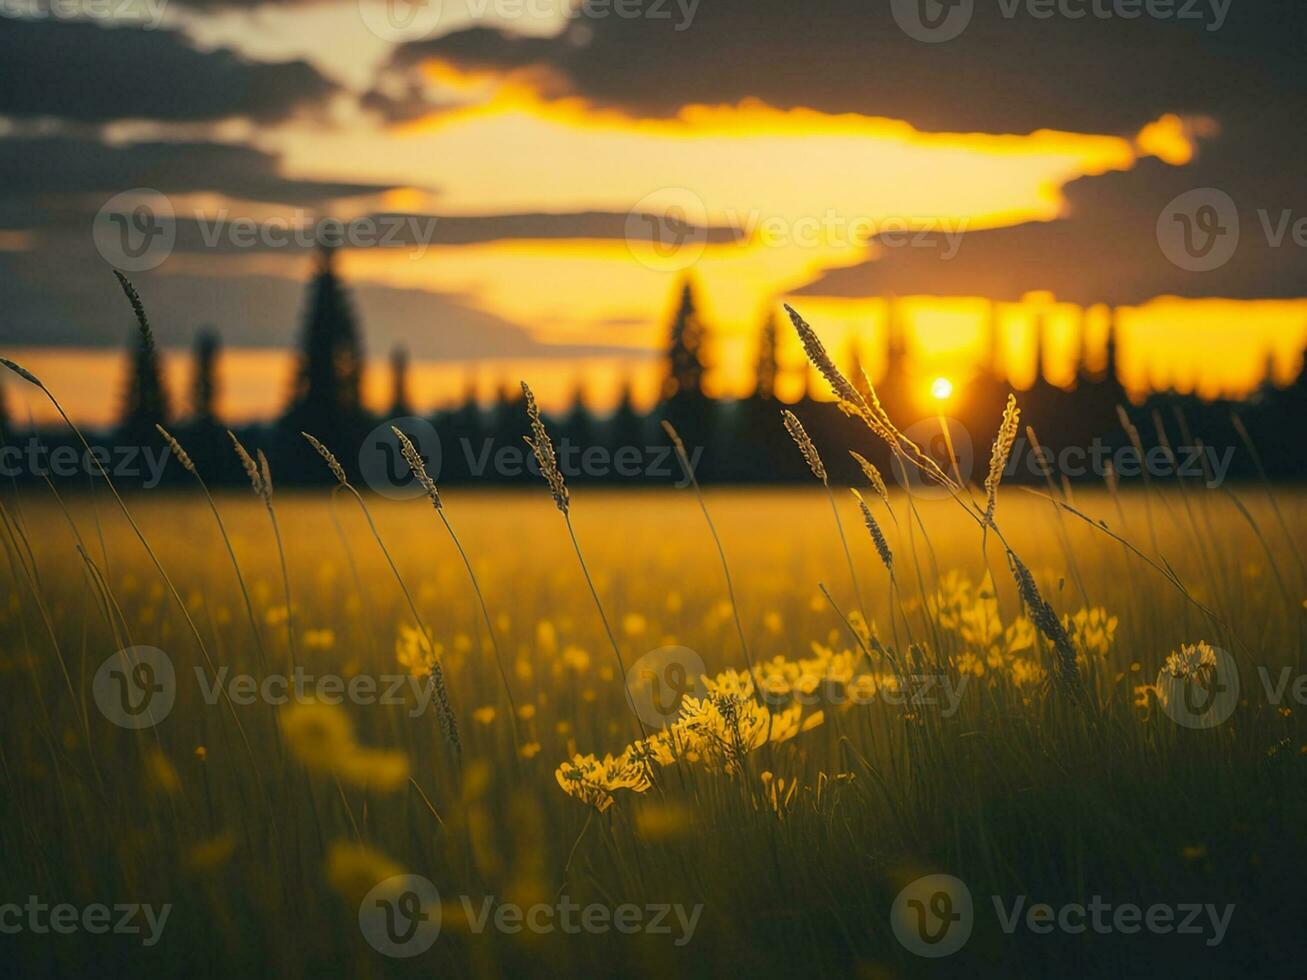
1038 781
542 447
419 470
449 720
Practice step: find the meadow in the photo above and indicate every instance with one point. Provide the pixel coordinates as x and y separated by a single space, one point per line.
791 823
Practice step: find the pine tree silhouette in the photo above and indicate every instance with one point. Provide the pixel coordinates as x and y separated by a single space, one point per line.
507 411
854 359
685 352
752 430
894 384
1084 374
458 428
684 403
205 438
626 427
985 395
204 384
326 396
577 426
400 406
1041 400
767 368
145 403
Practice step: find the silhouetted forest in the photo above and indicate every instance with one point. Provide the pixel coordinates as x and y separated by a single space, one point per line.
1080 429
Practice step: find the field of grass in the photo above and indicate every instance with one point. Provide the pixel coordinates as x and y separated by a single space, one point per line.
265 825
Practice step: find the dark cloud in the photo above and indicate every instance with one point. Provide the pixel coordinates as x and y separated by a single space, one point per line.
55 181
409 105
478 229
484 47
77 303
83 72
1001 74
225 231
55 290
211 5
1107 247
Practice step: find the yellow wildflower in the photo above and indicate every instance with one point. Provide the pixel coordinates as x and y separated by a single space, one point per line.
354 869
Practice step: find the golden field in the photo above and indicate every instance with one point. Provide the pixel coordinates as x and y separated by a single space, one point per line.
792 829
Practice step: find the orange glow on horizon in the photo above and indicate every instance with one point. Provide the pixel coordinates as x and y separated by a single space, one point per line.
947 341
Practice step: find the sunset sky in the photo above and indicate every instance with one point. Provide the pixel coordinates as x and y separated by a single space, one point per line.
817 153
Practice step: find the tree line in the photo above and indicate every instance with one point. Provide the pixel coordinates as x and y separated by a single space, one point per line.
1089 430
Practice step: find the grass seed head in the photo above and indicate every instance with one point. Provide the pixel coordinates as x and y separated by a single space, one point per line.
415 463
998 455
265 474
877 536
182 456
801 439
329 457
1044 617
21 371
138 308
679 446
673 435
251 468
873 476
543 449
866 405
822 361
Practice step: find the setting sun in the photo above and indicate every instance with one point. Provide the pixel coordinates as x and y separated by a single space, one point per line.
941 389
